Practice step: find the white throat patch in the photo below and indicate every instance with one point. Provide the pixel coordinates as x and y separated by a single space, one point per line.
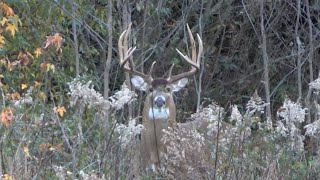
158 113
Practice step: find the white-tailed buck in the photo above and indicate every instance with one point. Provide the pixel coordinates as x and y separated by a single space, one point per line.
159 110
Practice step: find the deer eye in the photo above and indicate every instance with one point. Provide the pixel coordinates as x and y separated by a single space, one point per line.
150 89
168 89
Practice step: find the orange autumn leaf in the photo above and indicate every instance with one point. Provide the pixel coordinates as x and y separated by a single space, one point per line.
7 116
43 66
60 110
14 96
7 9
43 147
53 40
23 57
37 84
59 147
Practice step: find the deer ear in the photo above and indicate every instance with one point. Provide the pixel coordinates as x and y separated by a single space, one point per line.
176 86
139 83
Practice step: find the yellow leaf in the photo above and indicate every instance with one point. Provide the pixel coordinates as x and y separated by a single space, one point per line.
26 151
3 62
50 67
7 177
24 86
3 21
60 110
12 28
2 41
37 52
42 95
51 148
30 55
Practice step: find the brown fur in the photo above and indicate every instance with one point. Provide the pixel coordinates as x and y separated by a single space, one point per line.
152 146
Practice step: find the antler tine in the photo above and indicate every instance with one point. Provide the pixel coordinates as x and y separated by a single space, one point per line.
194 61
151 69
170 71
125 53
200 50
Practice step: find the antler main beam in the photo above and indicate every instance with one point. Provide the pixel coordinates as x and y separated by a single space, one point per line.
125 53
194 61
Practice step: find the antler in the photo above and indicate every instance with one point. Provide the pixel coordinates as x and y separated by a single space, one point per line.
194 61
125 53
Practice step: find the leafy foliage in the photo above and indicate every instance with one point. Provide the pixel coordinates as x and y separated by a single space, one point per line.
56 125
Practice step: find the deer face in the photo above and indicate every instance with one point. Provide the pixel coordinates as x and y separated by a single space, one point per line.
159 92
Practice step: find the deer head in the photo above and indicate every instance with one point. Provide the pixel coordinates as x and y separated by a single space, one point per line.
159 109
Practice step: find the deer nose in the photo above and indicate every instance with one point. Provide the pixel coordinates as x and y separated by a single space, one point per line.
159 102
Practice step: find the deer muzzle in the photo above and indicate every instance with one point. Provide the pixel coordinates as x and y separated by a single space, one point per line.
159 101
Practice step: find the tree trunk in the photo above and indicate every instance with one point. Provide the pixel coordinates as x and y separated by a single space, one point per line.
75 39
265 65
106 73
